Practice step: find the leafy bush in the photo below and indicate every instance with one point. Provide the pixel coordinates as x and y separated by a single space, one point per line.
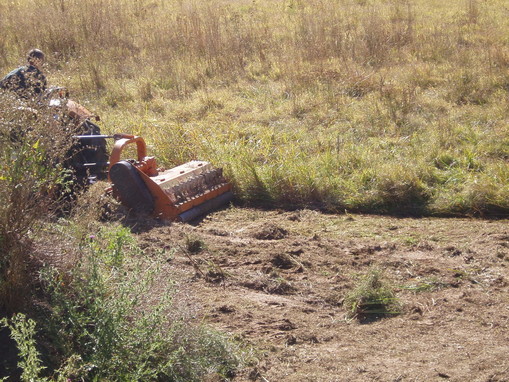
111 316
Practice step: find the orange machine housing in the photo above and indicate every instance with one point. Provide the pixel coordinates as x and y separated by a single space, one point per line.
181 193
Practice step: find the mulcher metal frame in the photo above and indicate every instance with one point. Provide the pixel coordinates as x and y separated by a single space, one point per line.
181 193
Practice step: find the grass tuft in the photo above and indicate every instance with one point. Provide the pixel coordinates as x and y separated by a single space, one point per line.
372 298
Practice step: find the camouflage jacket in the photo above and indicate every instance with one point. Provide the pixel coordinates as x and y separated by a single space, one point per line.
27 82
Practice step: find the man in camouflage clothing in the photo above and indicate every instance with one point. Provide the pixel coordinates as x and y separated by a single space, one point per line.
27 82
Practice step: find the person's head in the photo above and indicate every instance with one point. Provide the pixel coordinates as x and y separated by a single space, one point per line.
35 58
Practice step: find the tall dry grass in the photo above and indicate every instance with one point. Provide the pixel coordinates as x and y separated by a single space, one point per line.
383 106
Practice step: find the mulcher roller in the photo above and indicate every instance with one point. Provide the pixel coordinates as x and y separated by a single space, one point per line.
181 193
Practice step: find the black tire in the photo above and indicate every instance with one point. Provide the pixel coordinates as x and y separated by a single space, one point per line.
85 152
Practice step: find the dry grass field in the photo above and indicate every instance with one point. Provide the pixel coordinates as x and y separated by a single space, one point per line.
372 106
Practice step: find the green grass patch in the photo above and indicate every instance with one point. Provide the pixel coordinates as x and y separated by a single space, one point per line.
372 298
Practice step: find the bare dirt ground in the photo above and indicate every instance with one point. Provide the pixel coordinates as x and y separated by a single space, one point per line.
278 279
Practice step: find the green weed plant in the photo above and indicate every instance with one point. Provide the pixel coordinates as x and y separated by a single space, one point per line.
22 330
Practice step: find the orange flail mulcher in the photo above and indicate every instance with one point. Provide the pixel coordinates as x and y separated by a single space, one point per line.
181 193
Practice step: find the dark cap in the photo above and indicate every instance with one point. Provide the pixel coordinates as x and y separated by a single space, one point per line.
35 53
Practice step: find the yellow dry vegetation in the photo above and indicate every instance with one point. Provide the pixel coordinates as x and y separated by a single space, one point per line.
389 106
